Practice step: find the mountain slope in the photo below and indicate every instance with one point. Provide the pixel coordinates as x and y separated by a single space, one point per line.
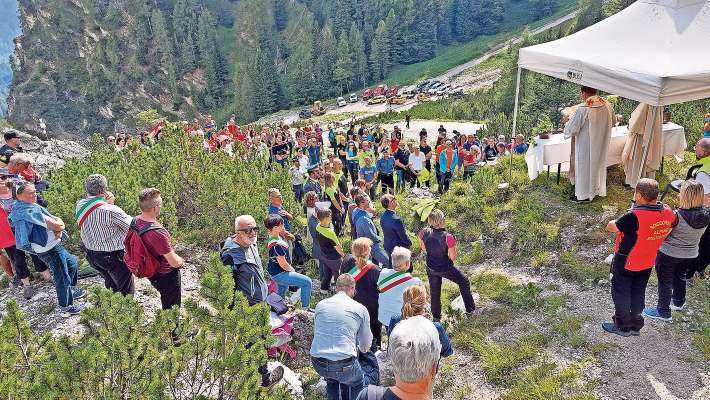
9 29
88 66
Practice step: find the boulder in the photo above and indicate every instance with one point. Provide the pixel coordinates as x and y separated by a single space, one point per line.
48 154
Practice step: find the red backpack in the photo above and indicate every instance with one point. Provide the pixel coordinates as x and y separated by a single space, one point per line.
138 258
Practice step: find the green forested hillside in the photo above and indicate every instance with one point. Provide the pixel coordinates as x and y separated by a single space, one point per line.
86 64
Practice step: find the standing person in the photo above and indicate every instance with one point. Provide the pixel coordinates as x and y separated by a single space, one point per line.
276 206
385 171
353 161
590 130
158 242
17 259
330 250
341 329
332 194
392 284
702 152
392 226
313 150
448 160
280 268
366 228
407 119
442 131
313 181
297 179
241 254
639 234
368 173
103 227
309 208
440 248
470 159
415 350
366 275
401 164
39 232
679 247
519 146
12 145
490 152
416 165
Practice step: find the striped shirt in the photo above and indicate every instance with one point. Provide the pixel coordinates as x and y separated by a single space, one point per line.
104 228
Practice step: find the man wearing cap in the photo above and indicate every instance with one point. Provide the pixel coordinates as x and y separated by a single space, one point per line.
11 146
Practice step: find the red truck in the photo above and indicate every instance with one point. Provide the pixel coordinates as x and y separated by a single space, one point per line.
367 94
380 90
392 91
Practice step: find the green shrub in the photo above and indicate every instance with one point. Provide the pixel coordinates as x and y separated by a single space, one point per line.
545 382
202 192
500 360
122 354
582 271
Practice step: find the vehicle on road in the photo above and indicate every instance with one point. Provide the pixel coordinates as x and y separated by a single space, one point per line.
409 94
353 98
367 94
423 97
341 102
398 100
377 100
442 90
317 109
380 90
392 91
304 114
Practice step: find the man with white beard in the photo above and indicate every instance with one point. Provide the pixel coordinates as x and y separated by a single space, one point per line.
242 255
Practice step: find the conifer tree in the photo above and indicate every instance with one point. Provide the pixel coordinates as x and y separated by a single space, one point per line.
380 53
360 70
164 50
343 72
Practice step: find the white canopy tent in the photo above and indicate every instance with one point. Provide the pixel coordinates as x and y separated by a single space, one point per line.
654 52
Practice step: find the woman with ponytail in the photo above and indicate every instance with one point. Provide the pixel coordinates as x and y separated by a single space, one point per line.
366 275
415 303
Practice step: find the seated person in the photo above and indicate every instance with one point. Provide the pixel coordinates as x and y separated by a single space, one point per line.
280 268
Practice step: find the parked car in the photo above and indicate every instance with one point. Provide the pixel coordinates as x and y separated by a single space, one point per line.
353 98
367 94
341 102
409 93
304 114
399 100
442 90
377 100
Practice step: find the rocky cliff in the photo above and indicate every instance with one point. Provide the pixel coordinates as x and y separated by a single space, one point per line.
49 154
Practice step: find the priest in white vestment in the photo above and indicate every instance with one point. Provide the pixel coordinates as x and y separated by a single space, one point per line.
590 130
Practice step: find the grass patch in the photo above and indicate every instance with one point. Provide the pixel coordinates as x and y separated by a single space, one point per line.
470 253
541 259
531 232
545 382
554 303
499 287
699 324
500 360
584 272
567 328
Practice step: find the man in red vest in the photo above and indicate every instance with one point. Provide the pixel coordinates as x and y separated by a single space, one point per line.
639 234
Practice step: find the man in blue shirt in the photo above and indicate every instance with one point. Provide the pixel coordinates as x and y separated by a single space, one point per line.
341 329
520 147
276 207
393 227
312 183
313 150
366 228
385 171
368 173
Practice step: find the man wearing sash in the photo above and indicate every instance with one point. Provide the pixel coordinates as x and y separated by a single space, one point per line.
103 226
392 283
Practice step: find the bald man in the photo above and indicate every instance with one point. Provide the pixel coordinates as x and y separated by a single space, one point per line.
240 253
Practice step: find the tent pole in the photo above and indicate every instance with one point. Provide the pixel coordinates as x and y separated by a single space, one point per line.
649 135
515 123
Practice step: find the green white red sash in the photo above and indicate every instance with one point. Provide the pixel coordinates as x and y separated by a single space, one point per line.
90 206
273 241
358 272
392 281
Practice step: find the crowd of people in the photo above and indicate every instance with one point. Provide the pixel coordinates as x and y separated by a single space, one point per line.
372 290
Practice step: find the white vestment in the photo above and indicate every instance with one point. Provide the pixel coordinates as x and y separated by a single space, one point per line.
591 129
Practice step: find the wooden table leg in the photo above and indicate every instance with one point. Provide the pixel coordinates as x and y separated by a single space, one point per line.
548 172
559 172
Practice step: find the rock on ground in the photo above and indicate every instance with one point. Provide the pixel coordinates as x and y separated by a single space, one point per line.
49 154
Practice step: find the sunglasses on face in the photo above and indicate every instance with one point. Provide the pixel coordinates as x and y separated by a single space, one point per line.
249 231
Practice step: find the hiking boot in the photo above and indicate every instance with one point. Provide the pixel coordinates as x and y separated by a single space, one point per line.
275 375
612 328
28 292
78 293
71 310
15 282
652 312
635 333
677 308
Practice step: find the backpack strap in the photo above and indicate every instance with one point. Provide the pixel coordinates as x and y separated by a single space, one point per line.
144 229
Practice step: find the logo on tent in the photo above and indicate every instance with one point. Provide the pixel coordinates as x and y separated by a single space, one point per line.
574 74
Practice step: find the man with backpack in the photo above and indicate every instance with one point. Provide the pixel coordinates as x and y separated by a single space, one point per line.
149 253
241 254
103 227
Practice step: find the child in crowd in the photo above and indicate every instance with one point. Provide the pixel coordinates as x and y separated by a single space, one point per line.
280 268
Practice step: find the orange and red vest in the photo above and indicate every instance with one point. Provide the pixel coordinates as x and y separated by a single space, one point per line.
654 227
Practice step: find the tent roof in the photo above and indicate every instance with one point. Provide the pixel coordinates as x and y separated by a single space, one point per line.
654 51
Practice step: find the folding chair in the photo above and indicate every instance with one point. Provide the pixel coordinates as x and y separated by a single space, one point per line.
675 185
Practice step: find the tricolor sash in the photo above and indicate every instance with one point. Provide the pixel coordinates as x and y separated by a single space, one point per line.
358 272
86 210
393 280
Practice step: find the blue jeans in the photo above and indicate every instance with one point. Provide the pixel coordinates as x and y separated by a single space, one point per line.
400 180
379 256
298 192
345 378
64 268
286 279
